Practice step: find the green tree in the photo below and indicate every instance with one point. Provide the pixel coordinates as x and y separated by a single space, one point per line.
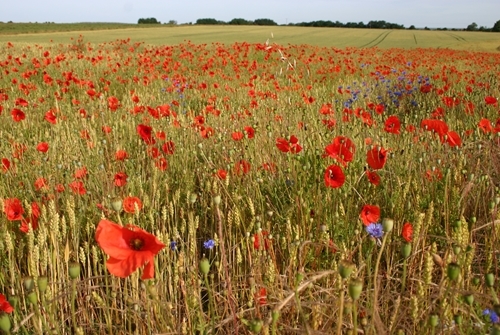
472 27
496 27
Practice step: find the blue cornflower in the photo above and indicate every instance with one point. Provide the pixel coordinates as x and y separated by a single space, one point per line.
375 230
173 245
209 244
494 318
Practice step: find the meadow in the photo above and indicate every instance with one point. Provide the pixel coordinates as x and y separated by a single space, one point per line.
275 185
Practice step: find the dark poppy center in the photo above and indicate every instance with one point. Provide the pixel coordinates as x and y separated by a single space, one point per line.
136 243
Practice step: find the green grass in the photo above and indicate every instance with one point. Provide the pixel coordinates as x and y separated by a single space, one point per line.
283 35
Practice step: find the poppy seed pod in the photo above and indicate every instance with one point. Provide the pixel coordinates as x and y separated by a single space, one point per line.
5 324
355 288
204 266
453 271
345 268
489 279
469 299
387 224
117 204
42 284
74 270
406 250
255 326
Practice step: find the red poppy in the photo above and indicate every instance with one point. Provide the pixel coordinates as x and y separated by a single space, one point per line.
407 232
491 100
13 209
261 240
129 204
249 131
161 163
113 103
78 187
50 117
242 167
485 126
33 221
373 177
168 147
120 179
261 296
107 129
17 115
369 214
41 184
392 125
437 126
59 188
221 174
42 147
128 249
292 145
121 155
341 149
5 164
334 176
81 173
376 158
145 132
5 306
237 135
453 139
206 132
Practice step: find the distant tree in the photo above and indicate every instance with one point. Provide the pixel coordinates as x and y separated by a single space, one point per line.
265 22
496 27
172 23
412 27
472 27
207 21
240 21
150 20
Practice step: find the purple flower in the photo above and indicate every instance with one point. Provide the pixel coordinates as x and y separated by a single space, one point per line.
209 244
375 230
494 318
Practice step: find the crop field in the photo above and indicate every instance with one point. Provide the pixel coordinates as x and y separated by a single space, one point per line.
299 181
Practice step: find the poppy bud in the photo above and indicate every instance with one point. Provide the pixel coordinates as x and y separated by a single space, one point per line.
28 283
355 288
74 270
32 297
387 224
42 284
204 266
13 301
5 324
406 250
458 319
489 279
345 268
453 271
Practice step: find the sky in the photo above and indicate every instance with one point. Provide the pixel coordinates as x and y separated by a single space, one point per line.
420 13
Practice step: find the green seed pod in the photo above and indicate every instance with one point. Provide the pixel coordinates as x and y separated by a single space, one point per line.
387 224
406 250
204 266
489 279
117 204
433 320
5 324
355 288
28 283
42 284
255 326
458 319
32 297
345 268
469 299
453 271
74 270
14 301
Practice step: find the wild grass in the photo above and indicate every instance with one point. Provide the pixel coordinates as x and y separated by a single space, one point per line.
287 254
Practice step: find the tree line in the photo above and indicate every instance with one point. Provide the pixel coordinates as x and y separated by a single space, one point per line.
376 24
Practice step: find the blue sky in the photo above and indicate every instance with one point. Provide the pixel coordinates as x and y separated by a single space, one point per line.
421 13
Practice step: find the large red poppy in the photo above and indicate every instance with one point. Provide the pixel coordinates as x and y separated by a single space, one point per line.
392 125
128 249
13 209
5 306
17 115
291 145
334 176
341 149
369 214
145 132
376 158
120 179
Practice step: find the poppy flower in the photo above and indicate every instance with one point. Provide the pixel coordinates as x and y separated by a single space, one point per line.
407 232
17 115
341 149
261 296
453 139
42 147
249 131
128 249
145 132
5 306
392 125
113 103
221 174
41 184
50 117
5 164
491 100
369 214
376 158
161 164
437 126
485 126
168 147
292 145
242 167
13 209
261 240
120 179
78 187
237 135
334 176
129 204
121 155
35 214
373 177
81 173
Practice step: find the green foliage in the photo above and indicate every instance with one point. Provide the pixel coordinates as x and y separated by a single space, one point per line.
496 27
150 20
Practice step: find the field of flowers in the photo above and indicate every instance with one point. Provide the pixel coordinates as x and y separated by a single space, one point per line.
248 188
